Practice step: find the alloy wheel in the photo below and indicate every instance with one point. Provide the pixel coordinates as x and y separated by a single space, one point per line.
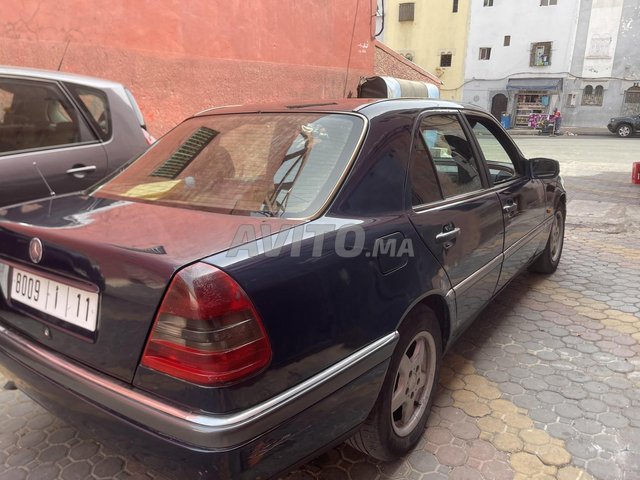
557 234
624 130
413 384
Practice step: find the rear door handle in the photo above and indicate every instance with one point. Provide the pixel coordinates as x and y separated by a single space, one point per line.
448 235
510 208
83 169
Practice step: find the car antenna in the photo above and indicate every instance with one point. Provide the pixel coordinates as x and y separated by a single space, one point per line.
51 192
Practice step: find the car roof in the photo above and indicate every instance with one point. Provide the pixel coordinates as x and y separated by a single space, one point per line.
58 76
369 107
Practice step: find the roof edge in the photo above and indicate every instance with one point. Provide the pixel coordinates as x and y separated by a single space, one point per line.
408 63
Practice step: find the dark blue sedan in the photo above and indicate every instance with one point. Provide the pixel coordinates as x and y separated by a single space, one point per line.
268 281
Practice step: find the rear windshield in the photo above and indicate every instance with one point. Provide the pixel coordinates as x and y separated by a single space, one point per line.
278 164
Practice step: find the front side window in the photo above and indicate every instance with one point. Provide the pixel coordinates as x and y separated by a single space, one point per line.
497 150
456 167
37 115
276 164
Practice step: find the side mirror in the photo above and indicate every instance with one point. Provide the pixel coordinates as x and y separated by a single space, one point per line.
544 168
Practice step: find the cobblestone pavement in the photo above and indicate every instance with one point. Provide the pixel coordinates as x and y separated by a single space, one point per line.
546 385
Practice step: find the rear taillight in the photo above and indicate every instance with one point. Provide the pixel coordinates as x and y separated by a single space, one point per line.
207 331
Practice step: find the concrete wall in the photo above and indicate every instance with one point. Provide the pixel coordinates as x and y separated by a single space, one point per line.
615 67
526 22
436 29
181 57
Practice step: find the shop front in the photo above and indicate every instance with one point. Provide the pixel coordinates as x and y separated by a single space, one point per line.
533 99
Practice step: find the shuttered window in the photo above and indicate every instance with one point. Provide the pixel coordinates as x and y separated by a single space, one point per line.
407 12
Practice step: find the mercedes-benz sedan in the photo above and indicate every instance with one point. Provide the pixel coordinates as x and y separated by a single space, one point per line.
267 281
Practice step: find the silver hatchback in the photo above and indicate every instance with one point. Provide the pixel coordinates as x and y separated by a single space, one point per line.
61 133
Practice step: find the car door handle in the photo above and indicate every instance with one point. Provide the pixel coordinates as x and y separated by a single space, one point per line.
83 169
448 235
510 208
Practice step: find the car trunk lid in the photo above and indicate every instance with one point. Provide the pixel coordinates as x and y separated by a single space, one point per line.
123 253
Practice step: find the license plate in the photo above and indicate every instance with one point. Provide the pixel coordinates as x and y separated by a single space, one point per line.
70 304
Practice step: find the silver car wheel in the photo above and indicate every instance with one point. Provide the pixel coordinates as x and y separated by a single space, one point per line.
413 384
624 130
557 234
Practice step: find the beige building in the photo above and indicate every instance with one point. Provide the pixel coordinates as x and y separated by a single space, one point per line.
432 34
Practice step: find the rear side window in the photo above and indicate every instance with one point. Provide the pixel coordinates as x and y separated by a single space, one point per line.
96 106
280 164
457 168
36 115
424 186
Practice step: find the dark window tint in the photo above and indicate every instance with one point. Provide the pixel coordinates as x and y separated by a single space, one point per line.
37 115
424 186
457 169
96 106
406 12
248 164
445 59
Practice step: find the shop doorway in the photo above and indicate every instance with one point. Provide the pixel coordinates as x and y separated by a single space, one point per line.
498 105
529 103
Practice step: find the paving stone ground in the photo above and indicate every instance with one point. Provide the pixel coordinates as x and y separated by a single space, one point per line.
546 385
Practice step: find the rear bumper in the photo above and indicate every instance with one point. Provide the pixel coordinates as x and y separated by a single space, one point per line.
259 441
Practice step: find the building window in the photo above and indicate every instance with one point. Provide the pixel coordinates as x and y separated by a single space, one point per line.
632 95
455 6
546 3
507 40
488 3
445 59
540 54
407 12
485 53
571 100
593 96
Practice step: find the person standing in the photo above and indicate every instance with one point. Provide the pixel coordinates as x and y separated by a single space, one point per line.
557 121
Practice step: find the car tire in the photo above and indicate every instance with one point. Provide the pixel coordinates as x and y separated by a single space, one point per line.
412 376
624 130
548 261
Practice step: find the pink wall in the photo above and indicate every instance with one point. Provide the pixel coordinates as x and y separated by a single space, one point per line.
179 57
